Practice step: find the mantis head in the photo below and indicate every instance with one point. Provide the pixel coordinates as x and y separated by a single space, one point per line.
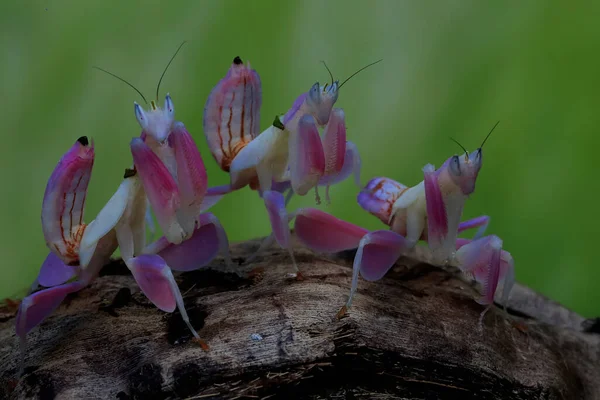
464 169
156 122
320 101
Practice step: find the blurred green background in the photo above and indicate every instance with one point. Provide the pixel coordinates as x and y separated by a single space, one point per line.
451 68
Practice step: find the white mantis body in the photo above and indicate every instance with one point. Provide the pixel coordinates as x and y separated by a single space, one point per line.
429 211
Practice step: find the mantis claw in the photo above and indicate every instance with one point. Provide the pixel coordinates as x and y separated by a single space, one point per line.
307 161
160 187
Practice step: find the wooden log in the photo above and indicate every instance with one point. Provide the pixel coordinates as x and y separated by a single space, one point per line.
412 335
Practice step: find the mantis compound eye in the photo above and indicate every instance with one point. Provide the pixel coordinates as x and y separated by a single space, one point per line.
314 94
455 166
140 116
169 105
334 88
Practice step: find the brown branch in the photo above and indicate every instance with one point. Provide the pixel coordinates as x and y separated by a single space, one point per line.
411 335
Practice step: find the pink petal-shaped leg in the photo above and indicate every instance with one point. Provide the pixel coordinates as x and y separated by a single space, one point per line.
209 219
322 232
306 157
214 195
377 252
161 189
36 307
39 305
156 280
269 240
275 204
219 190
352 165
378 197
353 161
54 271
437 219
507 275
480 222
197 251
210 201
280 186
192 180
334 142
64 200
334 149
507 271
482 258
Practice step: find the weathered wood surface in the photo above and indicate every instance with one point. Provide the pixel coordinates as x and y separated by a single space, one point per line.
412 335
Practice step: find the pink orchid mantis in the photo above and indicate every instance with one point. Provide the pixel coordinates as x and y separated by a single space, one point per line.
173 174
79 251
171 169
289 155
429 211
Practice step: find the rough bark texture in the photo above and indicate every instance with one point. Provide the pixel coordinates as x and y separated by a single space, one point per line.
412 335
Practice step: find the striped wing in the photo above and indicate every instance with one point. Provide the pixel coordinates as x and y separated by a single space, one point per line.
232 113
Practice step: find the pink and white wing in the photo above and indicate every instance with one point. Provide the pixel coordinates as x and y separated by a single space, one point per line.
232 113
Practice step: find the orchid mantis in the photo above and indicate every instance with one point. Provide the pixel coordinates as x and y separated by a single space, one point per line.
429 211
173 174
289 155
168 174
171 169
79 251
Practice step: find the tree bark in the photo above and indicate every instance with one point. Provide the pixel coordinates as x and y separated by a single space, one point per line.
412 335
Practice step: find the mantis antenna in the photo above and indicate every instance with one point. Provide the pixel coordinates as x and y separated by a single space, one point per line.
362 69
124 81
461 146
328 70
167 67
488 135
